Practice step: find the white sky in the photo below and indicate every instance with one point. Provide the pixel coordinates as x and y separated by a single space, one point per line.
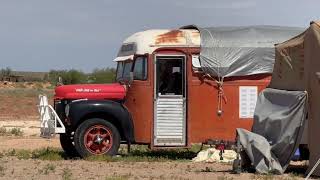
39 35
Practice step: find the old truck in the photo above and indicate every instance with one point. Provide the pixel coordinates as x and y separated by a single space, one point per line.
165 94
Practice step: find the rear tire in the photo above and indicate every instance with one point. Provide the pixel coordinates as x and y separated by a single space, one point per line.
66 142
97 137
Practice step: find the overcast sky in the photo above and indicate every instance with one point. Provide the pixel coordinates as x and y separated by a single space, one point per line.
39 35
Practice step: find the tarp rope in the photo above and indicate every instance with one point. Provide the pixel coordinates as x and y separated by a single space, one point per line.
219 81
221 95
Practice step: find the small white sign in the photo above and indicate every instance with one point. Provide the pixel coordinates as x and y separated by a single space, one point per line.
247 101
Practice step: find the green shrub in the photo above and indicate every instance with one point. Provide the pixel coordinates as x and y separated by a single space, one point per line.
23 154
3 131
103 75
16 131
68 76
50 154
47 169
66 174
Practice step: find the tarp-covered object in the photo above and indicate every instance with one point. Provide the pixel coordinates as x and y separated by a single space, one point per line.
297 67
277 129
240 51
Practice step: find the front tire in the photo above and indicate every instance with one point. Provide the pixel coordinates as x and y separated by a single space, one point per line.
97 137
66 142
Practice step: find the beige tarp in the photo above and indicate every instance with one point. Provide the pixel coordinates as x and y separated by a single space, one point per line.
297 67
213 155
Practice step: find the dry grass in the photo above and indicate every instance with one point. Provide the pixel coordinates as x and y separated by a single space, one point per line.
118 177
140 154
66 174
21 103
47 169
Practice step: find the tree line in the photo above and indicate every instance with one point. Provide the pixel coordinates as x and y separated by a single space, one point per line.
6 71
73 76
104 75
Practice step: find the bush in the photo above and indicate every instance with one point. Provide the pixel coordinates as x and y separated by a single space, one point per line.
49 154
16 131
104 75
6 72
68 76
3 131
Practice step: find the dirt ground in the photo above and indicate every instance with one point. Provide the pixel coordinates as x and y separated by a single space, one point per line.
18 110
35 169
12 167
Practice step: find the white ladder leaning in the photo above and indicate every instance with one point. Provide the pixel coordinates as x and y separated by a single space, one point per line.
50 123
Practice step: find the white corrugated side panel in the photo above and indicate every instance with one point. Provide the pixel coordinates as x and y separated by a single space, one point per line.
170 121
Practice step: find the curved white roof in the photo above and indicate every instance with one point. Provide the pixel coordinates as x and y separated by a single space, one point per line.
147 41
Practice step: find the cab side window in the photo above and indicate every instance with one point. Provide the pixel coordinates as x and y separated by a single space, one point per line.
140 68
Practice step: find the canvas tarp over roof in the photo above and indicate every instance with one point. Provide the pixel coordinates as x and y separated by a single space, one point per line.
297 67
239 51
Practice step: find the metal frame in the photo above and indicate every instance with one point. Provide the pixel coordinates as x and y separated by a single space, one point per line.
184 60
49 119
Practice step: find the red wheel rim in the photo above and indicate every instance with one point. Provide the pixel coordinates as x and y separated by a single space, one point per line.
98 139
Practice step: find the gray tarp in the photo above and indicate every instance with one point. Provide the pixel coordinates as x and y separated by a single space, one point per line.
239 51
277 129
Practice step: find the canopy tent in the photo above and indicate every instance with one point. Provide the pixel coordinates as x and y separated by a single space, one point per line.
297 67
240 51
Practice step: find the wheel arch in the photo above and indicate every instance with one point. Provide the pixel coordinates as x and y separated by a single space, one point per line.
111 111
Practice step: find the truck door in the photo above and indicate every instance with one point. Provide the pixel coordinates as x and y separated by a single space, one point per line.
170 101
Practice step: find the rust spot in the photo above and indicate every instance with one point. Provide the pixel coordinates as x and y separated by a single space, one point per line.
174 36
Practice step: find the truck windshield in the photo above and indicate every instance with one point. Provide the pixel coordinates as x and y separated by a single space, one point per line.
123 71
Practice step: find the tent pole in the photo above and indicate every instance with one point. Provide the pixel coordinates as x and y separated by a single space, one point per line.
314 168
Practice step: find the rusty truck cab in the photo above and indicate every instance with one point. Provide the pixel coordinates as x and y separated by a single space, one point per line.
171 101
